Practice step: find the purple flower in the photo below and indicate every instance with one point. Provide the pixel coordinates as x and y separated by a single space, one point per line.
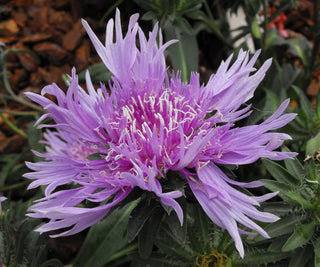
105 144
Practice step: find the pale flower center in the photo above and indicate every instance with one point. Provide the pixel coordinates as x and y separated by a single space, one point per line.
155 126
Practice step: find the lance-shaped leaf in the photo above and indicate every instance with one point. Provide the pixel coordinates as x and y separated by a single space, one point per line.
105 238
280 173
301 235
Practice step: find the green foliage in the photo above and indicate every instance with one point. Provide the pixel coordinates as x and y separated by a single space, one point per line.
198 240
105 239
98 73
183 55
261 259
301 235
158 9
295 234
19 244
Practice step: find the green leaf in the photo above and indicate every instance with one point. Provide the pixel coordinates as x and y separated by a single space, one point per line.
280 173
273 39
301 236
287 193
34 137
197 14
296 196
301 257
272 102
304 102
255 5
204 226
157 259
184 53
278 208
149 15
35 250
7 164
300 47
260 258
148 234
98 72
95 156
255 28
281 78
313 145
289 75
138 217
277 243
316 245
312 171
183 25
281 227
274 186
296 130
294 166
171 245
179 231
52 262
146 5
105 238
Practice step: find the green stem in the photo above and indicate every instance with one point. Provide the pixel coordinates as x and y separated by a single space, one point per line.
14 186
19 113
212 24
5 96
184 70
204 228
117 3
208 10
123 252
13 127
162 22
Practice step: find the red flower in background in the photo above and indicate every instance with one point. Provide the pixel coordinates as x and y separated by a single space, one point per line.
278 22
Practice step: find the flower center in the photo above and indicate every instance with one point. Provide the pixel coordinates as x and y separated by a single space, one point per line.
156 127
167 111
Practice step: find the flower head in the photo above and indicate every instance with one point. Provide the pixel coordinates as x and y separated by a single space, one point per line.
109 143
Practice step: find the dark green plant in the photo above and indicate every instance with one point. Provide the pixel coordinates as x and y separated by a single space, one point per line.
296 235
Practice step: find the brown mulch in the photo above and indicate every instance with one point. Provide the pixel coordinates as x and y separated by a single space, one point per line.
53 31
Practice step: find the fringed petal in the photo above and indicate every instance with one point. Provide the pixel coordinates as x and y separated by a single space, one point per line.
227 206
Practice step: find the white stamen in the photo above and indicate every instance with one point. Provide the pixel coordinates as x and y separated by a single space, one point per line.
99 133
119 156
141 135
